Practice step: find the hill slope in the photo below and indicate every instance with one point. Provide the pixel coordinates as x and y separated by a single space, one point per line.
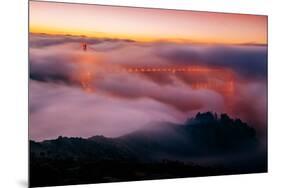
204 145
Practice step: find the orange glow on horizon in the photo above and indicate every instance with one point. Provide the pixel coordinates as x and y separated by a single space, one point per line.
146 25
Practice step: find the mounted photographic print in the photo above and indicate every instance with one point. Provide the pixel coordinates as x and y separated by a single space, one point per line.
125 94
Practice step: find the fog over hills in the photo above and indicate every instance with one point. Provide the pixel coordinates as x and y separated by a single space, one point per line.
204 135
203 145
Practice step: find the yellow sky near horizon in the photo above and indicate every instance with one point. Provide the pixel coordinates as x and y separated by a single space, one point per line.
143 24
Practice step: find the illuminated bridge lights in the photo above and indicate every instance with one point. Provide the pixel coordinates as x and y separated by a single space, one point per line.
221 80
164 70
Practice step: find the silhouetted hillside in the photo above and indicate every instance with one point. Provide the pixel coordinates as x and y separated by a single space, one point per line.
206 134
151 153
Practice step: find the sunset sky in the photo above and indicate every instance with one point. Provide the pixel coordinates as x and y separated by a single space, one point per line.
146 24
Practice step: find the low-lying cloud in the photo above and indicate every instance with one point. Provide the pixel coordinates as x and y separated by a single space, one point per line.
120 102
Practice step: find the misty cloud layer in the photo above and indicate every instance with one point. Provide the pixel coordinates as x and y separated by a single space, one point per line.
120 102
